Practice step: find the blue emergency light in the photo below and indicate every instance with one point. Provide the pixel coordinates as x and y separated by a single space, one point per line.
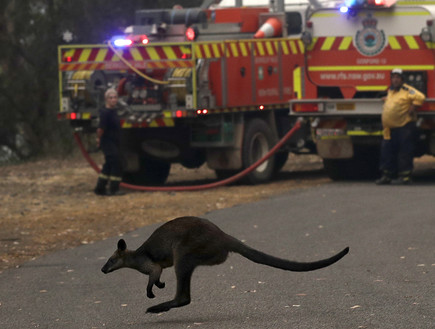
122 42
355 4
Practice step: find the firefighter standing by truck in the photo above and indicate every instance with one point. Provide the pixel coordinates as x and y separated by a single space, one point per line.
399 123
108 139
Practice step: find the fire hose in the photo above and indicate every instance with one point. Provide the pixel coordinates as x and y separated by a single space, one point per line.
223 182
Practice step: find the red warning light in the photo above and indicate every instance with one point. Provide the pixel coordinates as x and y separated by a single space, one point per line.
261 107
191 33
202 112
69 59
145 40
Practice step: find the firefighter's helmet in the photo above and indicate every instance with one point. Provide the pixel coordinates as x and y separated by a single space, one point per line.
397 71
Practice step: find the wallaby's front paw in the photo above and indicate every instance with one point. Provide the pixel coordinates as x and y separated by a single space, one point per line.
160 285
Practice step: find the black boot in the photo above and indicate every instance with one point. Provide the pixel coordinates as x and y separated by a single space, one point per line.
403 179
100 189
385 179
114 188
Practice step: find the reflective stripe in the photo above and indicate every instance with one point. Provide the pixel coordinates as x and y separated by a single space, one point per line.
412 44
327 44
394 44
364 133
297 82
115 178
102 176
156 123
369 88
371 68
345 43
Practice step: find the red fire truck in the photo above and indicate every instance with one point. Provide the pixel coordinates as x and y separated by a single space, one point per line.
351 49
213 84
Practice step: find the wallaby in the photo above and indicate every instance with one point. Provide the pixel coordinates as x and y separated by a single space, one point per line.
185 243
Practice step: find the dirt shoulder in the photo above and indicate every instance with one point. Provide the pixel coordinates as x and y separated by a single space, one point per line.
49 205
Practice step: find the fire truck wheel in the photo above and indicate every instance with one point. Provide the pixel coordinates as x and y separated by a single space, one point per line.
258 139
152 172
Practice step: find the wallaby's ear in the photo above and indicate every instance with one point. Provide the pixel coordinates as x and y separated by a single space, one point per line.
122 245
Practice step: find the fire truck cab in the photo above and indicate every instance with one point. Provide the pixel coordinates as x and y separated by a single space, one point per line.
351 48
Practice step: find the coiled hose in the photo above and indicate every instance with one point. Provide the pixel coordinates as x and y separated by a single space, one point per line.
223 182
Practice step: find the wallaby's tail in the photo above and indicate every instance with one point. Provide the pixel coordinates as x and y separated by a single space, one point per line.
265 259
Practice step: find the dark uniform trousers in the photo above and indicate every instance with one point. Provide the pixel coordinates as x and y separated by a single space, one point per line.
397 153
112 168
112 173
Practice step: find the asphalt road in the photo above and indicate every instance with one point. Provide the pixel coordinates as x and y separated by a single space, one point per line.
386 281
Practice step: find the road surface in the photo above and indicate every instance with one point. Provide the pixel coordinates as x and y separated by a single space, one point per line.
386 281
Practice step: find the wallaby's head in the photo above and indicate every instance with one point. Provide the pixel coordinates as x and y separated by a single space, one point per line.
117 260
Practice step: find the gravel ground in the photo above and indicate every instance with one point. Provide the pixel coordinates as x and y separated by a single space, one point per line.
48 205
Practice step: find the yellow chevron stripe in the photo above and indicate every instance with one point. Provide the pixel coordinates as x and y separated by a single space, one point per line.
168 122
260 49
327 44
412 44
345 43
169 52
244 47
207 51
69 53
269 48
216 50
198 53
136 54
284 48
293 47
93 66
394 44
84 56
234 49
152 53
186 50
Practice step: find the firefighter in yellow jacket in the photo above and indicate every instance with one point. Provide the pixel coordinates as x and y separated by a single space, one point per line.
400 131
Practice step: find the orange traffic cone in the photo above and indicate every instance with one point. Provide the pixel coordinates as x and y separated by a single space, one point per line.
271 28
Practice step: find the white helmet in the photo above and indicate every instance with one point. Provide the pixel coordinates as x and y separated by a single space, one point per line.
398 71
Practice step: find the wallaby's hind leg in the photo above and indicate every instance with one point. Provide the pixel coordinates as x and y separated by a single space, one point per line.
183 270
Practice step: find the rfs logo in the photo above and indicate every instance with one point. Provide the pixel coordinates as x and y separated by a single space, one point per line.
370 41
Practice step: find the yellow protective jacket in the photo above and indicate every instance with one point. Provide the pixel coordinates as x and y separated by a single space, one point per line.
395 113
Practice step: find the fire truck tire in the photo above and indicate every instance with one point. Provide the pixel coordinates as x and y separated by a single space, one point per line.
152 172
258 139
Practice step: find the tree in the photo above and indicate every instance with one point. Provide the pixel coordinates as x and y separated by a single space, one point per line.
30 31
